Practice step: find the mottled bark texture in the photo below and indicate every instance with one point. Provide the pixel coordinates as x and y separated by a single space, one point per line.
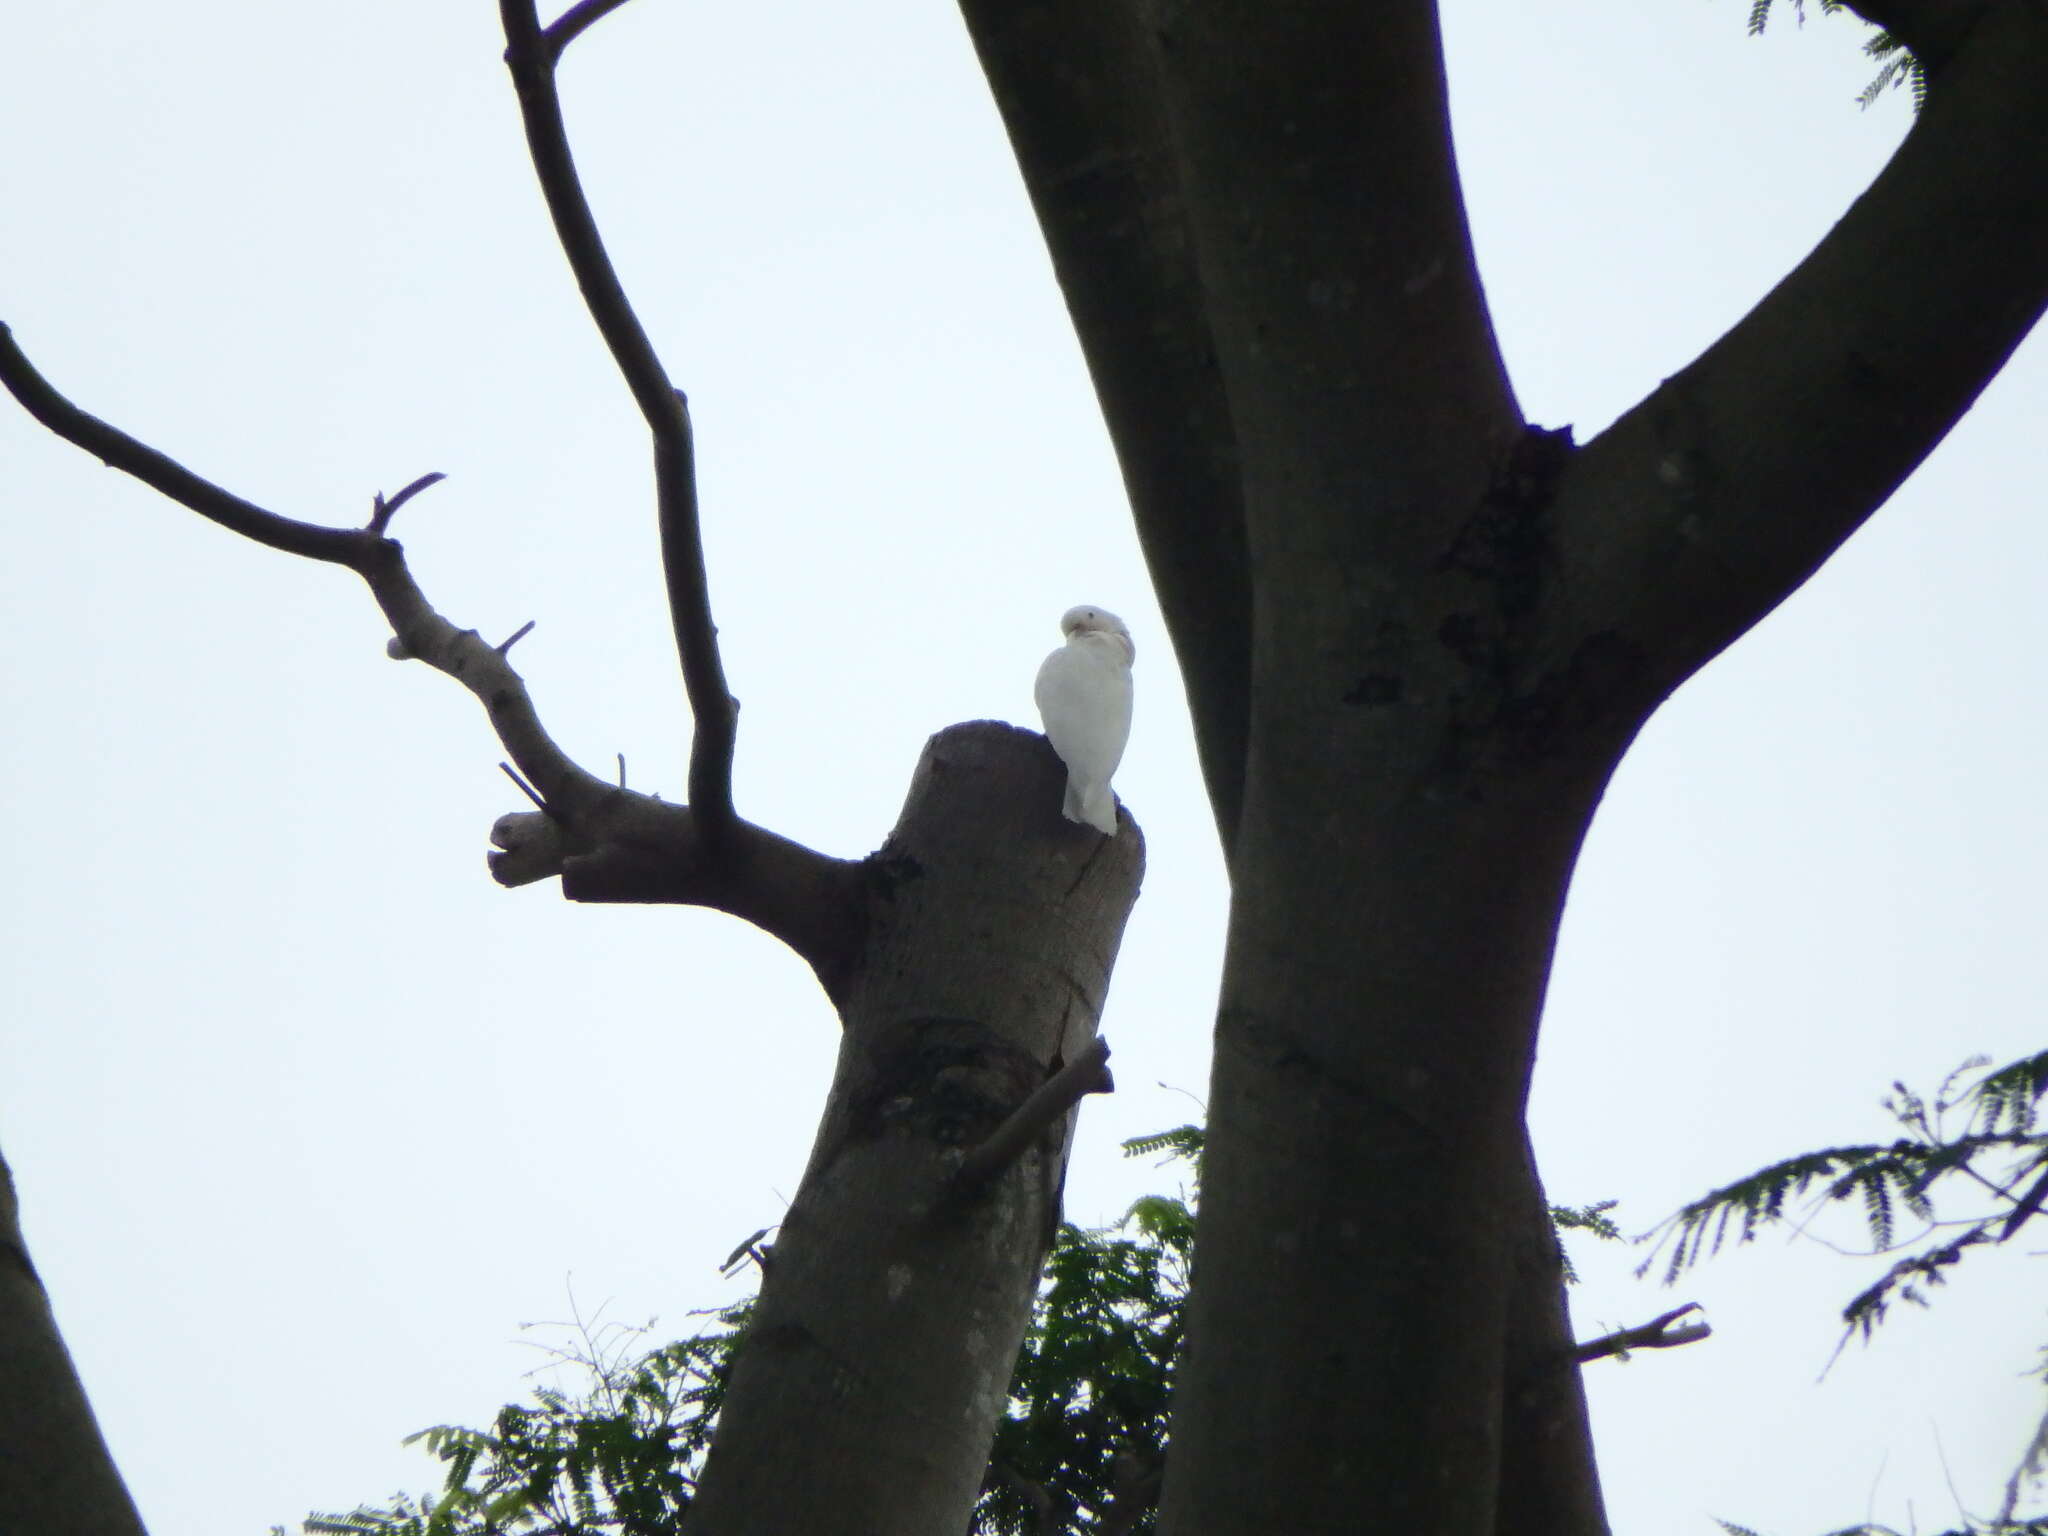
1418 635
56 1478
893 1304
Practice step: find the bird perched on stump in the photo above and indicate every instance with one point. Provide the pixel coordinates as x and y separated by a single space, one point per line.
1084 698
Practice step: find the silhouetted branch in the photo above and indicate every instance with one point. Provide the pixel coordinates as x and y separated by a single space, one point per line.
110 445
607 843
1657 1333
574 22
1702 507
531 54
515 637
382 511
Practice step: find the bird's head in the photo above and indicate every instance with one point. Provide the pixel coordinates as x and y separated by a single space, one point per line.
1090 620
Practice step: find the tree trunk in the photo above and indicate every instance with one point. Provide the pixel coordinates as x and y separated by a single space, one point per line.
56 1478
1549 1481
1364 1193
894 1302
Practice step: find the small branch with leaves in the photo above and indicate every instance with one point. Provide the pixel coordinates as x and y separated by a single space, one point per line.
1979 1132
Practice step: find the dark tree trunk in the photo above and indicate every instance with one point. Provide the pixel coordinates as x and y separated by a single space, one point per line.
894 1302
1418 636
56 1478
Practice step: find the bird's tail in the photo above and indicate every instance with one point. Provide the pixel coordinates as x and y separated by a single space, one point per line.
1091 804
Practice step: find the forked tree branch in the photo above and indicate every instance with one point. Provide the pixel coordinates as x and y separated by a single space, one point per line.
1657 1333
531 54
606 842
1703 507
572 23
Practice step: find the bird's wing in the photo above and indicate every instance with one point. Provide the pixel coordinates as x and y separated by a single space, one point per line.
1084 697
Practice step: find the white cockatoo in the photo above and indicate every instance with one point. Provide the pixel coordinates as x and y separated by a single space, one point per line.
1084 698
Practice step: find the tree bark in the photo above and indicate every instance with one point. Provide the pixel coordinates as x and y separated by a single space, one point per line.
1549 1479
895 1299
56 1477
1455 626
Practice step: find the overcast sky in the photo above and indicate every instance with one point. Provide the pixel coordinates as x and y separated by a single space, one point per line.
308 1116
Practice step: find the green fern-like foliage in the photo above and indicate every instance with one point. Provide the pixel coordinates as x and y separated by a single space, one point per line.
1079 1451
1978 1135
1583 1218
1897 65
1083 1444
1183 1144
621 1460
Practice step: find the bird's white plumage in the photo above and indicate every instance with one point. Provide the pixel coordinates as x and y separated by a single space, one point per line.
1084 698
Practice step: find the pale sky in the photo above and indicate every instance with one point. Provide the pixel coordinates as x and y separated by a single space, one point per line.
308 1115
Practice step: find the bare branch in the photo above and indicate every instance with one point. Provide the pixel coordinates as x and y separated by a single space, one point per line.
383 511
531 58
1657 1333
608 843
574 22
652 852
110 445
514 638
1087 1073
749 1249
525 788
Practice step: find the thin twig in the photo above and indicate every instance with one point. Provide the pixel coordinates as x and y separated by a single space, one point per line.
514 638
531 55
525 788
1087 1073
574 22
1655 1334
382 511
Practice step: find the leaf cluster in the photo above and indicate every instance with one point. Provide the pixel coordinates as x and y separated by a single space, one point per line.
619 1461
1979 1135
1583 1218
1081 1447
1899 66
